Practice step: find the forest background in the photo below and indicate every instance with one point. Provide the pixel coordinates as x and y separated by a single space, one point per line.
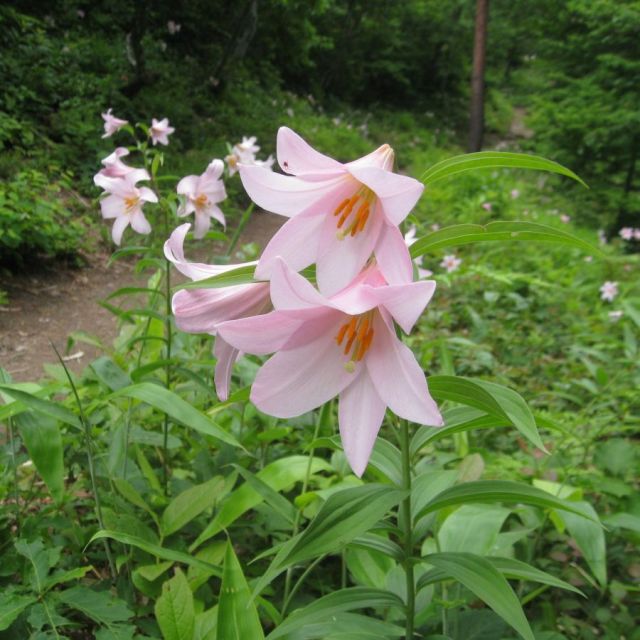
561 81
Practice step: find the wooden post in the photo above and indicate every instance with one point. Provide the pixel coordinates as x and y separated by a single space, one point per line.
476 128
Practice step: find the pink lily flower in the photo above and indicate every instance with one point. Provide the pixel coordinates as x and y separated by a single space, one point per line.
202 195
115 168
160 131
343 345
112 124
339 213
124 202
202 310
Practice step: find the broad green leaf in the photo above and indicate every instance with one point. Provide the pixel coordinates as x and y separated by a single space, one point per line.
427 486
481 578
41 561
206 624
516 231
11 606
490 491
237 615
624 521
151 572
42 406
342 517
517 570
369 567
110 374
174 406
41 435
387 459
349 626
328 606
61 577
493 160
472 528
278 475
492 398
191 503
117 632
589 537
101 606
156 550
174 609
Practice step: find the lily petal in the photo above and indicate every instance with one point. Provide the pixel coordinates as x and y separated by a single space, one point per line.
290 291
261 334
295 156
296 242
397 376
226 356
398 194
360 413
340 261
405 302
139 223
286 195
298 380
119 225
393 256
202 310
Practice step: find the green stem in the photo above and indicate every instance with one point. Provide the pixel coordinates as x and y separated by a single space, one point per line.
16 495
296 521
165 441
243 223
90 460
405 524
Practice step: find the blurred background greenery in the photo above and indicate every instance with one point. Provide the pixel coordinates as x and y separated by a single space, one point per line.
219 70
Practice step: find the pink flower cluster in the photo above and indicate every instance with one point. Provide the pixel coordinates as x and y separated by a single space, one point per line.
629 233
338 339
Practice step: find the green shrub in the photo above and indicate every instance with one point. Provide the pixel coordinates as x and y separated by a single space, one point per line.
36 218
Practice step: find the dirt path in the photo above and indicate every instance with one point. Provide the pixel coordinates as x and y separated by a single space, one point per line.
46 306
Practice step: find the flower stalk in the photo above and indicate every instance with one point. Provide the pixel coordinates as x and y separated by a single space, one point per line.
405 523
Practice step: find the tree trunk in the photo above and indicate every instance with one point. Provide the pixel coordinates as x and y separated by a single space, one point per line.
476 128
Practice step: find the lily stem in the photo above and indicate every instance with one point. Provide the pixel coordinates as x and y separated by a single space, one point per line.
324 412
240 228
406 525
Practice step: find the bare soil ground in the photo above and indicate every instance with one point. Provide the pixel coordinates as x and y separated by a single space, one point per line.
48 303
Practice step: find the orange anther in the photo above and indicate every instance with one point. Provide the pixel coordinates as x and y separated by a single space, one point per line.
341 206
341 333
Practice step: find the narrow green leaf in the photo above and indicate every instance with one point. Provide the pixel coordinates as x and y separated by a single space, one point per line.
278 502
516 231
517 570
328 606
191 503
174 406
43 406
174 609
589 536
240 275
493 160
345 515
624 521
41 435
494 399
237 615
156 550
489 491
481 578
278 475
